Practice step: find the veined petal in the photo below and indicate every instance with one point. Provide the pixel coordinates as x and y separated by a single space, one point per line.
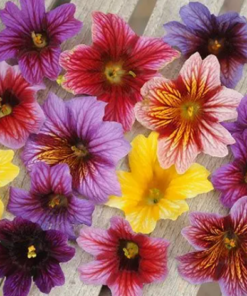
17 284
239 147
231 71
40 179
10 42
60 179
239 216
8 171
172 209
34 12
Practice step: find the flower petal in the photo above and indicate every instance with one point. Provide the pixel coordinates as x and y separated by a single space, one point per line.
34 12
60 179
61 23
239 215
231 71
17 284
80 211
10 42
1 209
239 148
40 179
8 171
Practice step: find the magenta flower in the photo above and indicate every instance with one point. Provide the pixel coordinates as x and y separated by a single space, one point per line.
75 133
50 201
225 36
34 36
240 125
115 66
124 260
231 179
27 252
220 255
20 113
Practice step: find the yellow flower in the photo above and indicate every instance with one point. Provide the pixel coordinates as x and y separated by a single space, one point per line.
150 193
8 171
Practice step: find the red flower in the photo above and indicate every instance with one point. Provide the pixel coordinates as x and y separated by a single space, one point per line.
115 67
124 260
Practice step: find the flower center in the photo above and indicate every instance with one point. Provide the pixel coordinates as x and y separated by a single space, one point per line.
190 110
80 150
154 196
215 46
230 242
39 40
31 252
114 72
5 109
57 201
131 250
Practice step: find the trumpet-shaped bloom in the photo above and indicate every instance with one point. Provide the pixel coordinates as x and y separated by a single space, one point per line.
231 179
8 171
34 36
50 201
75 133
20 113
28 253
225 36
150 193
124 260
187 112
115 67
220 255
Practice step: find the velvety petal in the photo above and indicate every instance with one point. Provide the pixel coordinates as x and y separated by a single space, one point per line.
34 12
17 284
180 36
51 275
239 216
61 23
5 267
151 53
231 71
126 284
96 241
58 246
112 34
60 179
83 65
197 17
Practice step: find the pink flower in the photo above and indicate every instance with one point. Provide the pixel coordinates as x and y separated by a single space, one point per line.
187 112
115 66
124 260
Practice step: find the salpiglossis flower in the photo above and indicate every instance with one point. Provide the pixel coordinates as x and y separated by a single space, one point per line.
187 112
20 113
34 36
150 193
220 255
74 133
224 36
8 171
124 260
115 66
29 253
51 201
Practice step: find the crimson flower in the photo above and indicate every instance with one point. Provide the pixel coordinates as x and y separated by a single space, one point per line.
124 260
221 246
20 113
34 36
115 66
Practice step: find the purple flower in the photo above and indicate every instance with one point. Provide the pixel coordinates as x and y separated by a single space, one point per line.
74 133
224 36
50 201
34 37
231 179
27 252
239 126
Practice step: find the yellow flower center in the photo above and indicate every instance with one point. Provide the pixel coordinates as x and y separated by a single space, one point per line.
57 200
114 72
215 46
39 40
154 196
31 252
230 243
190 110
5 109
79 150
131 250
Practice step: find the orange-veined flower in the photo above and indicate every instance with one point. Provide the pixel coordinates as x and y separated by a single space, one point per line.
149 192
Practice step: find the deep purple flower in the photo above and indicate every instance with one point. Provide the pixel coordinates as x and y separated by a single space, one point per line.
75 133
240 125
231 179
34 36
224 36
27 252
50 201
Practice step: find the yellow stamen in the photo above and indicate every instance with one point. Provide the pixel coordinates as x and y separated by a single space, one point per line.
132 74
5 109
31 252
39 40
230 243
80 150
60 79
114 72
190 111
55 202
131 250
153 196
215 46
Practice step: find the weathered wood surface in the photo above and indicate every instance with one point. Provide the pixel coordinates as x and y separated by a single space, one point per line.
164 11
